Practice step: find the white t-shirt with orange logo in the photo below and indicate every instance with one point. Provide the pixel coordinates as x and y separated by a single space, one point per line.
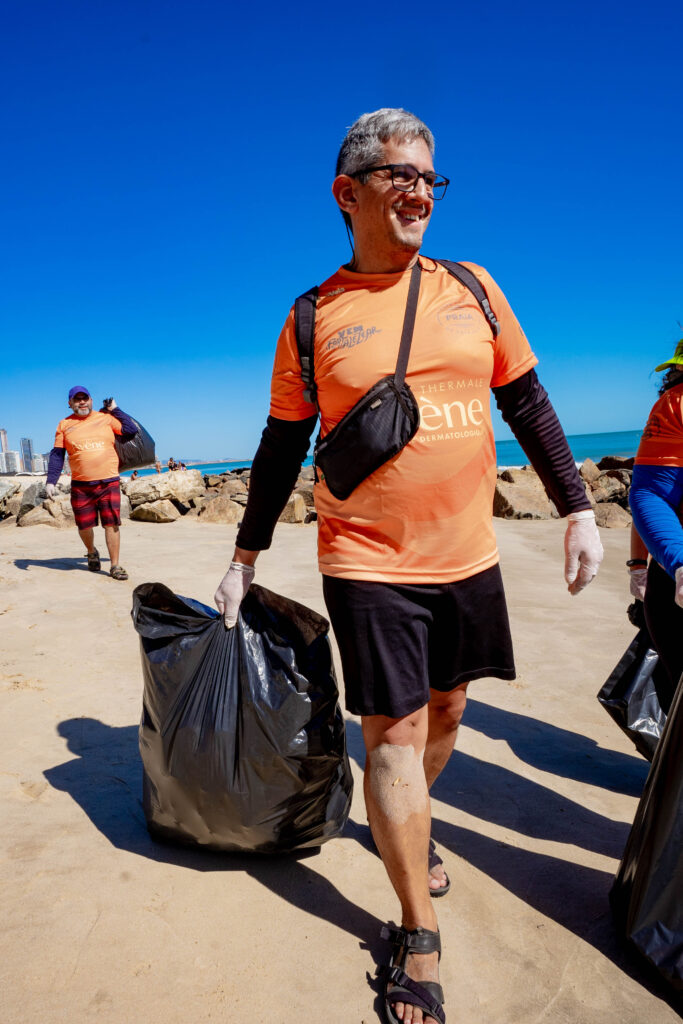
426 515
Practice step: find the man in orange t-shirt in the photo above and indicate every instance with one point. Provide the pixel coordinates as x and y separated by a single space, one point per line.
409 559
88 439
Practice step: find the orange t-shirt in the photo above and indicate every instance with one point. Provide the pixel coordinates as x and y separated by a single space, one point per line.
662 440
426 515
89 444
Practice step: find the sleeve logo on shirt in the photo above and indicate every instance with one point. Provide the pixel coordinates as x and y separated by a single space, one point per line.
349 337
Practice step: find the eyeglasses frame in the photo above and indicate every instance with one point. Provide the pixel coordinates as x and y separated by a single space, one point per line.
418 175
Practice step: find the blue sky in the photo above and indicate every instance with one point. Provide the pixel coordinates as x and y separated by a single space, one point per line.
166 193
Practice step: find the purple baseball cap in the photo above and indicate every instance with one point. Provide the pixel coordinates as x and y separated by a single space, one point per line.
78 390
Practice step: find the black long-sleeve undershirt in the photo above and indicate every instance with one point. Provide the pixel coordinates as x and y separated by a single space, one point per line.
526 408
276 465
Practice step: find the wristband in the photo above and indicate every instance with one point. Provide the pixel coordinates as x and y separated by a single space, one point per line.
636 561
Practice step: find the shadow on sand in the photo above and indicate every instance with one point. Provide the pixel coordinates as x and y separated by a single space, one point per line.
560 751
105 779
62 564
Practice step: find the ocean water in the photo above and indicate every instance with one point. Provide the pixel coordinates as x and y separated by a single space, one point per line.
509 453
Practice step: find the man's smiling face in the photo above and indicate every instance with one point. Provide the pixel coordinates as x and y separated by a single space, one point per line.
81 404
388 223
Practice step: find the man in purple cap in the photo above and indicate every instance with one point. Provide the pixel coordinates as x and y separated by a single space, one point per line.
88 438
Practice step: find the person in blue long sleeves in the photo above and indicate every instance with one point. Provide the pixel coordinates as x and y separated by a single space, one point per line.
656 500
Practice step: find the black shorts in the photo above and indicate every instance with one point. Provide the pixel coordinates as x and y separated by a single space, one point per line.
398 640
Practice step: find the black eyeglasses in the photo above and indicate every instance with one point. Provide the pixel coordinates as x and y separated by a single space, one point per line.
404 178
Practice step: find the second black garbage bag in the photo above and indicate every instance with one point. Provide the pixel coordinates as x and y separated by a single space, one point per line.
242 738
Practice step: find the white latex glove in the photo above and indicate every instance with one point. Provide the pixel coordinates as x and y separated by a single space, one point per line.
50 490
638 583
231 591
679 586
582 550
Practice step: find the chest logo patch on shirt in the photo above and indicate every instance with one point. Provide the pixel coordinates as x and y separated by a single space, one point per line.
455 318
349 337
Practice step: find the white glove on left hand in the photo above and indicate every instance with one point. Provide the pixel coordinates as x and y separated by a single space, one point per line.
582 549
638 583
231 591
679 586
50 490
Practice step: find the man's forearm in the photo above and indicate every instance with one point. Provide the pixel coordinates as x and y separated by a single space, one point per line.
130 427
526 408
55 465
276 465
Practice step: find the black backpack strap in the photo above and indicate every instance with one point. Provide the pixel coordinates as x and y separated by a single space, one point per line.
304 326
465 276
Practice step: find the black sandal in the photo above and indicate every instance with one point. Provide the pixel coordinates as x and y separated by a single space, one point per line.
426 995
117 572
434 861
94 563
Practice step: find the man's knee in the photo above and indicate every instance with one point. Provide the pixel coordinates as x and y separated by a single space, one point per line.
446 709
409 730
397 781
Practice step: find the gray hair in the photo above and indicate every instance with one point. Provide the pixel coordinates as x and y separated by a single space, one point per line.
364 140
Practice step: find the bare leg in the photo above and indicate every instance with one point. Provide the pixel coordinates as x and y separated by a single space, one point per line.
88 538
113 540
397 802
445 713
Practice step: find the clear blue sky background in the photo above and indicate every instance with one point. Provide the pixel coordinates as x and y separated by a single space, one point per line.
166 193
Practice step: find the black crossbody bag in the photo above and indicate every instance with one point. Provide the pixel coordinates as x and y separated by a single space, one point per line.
386 418
379 425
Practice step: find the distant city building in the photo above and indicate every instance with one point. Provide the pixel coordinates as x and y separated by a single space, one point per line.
39 464
26 446
12 462
3 440
2 463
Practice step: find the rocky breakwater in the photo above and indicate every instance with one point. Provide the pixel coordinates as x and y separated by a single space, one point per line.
212 498
519 493
24 501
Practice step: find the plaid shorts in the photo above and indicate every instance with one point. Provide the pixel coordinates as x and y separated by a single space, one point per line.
92 497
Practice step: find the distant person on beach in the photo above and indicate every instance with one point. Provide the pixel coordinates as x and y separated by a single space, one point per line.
172 464
157 466
656 500
134 475
409 560
88 438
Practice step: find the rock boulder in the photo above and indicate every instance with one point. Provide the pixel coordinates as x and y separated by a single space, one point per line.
220 509
295 510
611 515
177 485
519 494
163 511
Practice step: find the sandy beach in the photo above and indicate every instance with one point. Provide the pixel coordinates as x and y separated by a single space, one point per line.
531 814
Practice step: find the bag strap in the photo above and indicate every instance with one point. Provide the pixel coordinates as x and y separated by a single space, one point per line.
465 276
304 326
304 322
408 324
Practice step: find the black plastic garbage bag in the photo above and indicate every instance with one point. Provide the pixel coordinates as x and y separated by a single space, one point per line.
242 739
629 694
137 452
647 895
